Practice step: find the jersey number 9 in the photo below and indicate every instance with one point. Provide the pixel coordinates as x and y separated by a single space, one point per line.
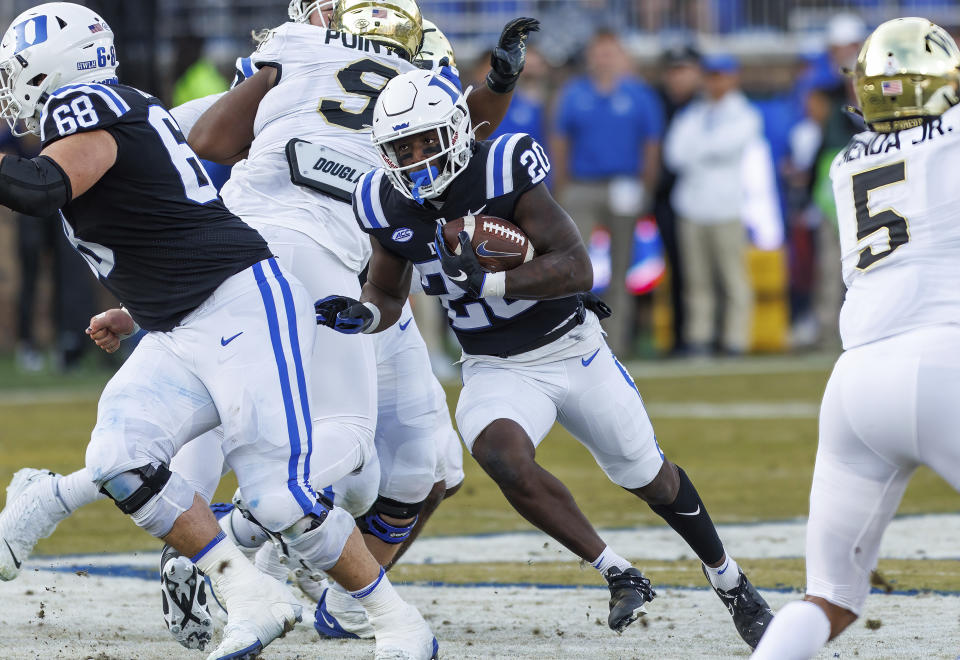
355 79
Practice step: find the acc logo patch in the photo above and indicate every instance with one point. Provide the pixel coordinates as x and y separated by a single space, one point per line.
402 235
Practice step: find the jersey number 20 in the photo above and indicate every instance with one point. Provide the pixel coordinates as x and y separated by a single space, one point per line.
870 223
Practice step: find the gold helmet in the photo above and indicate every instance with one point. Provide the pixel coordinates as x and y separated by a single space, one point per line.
907 70
435 47
397 23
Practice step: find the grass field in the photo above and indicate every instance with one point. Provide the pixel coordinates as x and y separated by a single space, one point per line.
745 431
745 469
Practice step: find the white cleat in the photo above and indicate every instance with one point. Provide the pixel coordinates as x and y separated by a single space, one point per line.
184 594
404 635
25 518
340 616
267 610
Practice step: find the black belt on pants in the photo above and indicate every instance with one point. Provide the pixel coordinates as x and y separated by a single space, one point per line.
578 318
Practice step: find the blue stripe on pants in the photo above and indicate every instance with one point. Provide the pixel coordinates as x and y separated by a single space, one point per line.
293 482
301 379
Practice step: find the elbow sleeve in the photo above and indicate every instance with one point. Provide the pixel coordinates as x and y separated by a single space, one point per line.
33 186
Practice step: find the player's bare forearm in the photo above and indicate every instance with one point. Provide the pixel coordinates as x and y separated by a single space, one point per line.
387 285
562 266
487 109
553 275
224 132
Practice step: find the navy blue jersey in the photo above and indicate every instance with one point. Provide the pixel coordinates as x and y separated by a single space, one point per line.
498 174
153 229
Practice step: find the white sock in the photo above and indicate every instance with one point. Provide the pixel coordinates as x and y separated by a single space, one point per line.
379 597
609 559
798 631
223 563
726 576
76 490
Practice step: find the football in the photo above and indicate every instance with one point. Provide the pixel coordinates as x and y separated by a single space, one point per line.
499 244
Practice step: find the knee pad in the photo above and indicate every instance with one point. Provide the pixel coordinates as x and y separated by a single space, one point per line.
152 495
318 540
373 522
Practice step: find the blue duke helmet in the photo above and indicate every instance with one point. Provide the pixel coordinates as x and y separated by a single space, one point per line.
46 48
416 102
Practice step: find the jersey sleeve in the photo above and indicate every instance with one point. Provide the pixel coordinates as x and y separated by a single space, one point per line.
368 202
515 164
269 52
79 109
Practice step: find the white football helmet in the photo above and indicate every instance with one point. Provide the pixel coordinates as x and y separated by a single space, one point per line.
300 10
46 48
417 102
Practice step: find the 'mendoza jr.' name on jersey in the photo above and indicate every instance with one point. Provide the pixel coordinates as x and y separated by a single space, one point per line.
871 144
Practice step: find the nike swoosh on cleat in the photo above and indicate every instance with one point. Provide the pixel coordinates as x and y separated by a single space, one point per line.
224 342
16 561
482 251
461 277
725 566
586 361
691 513
404 326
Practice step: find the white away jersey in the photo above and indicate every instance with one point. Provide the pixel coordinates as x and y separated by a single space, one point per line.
898 209
328 83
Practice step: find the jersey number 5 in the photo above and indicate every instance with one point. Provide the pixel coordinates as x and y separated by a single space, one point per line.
870 223
356 79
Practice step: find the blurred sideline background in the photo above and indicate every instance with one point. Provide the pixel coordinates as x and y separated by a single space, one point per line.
785 56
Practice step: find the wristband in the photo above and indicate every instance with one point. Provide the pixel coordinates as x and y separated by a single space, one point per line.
136 326
494 285
375 323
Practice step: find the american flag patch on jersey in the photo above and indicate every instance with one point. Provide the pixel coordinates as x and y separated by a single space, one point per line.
377 12
891 87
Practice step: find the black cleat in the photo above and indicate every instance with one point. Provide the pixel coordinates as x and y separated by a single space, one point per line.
629 592
750 612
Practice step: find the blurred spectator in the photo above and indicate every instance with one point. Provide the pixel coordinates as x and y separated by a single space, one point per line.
72 302
829 94
705 147
606 154
681 80
194 74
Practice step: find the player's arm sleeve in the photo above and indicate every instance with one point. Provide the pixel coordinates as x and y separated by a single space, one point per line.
33 186
188 113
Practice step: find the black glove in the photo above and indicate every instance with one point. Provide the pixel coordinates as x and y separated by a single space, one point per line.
508 57
343 314
463 269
